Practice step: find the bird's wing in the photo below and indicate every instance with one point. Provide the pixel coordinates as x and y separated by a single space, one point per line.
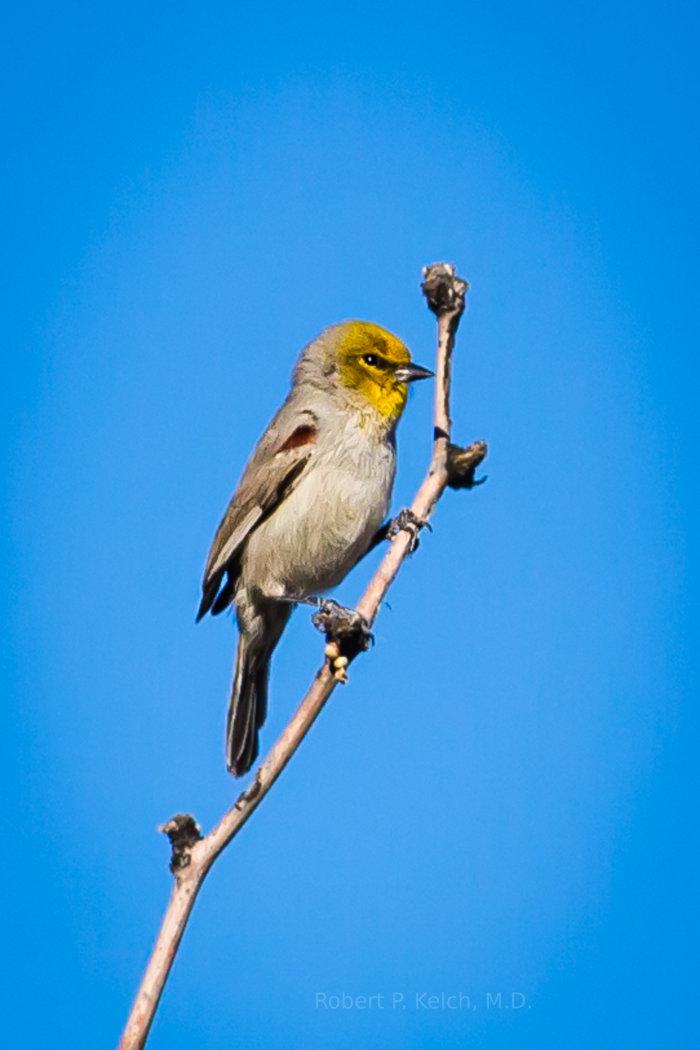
274 469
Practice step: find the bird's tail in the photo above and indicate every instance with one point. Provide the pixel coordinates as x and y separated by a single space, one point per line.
247 710
248 705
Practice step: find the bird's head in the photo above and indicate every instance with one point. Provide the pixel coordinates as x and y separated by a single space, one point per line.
368 364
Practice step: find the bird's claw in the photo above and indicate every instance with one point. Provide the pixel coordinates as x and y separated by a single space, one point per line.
347 632
407 521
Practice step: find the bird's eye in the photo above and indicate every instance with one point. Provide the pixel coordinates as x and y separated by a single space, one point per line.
370 359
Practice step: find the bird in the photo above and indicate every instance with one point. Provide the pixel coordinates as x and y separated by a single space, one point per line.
309 505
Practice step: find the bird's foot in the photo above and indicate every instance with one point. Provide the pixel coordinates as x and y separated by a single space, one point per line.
347 632
407 521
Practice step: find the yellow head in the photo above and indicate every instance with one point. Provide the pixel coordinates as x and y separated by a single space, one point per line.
370 364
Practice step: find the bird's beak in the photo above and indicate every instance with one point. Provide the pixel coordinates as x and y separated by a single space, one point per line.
409 373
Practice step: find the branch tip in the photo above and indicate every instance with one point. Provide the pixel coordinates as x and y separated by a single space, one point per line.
443 290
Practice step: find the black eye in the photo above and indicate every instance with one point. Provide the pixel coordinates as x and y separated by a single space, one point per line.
370 359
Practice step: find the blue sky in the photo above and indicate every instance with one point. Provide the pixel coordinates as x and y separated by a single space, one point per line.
503 799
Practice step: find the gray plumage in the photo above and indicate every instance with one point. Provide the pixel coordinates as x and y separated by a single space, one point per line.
307 507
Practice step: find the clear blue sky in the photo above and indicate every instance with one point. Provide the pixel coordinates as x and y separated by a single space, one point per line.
504 798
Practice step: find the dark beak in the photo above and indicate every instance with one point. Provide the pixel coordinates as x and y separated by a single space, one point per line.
409 373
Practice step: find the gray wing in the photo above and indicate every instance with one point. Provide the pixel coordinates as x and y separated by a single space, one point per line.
272 472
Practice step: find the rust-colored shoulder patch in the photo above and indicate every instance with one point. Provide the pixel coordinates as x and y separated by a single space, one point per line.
303 435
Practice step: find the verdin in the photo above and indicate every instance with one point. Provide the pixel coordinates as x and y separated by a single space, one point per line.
309 504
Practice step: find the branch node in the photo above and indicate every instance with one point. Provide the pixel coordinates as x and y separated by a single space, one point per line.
183 832
254 789
444 291
462 464
347 628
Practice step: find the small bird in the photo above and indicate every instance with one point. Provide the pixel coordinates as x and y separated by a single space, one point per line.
309 505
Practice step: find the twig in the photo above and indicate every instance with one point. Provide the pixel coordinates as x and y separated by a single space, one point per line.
192 855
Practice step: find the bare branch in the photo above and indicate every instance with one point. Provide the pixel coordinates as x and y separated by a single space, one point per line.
193 855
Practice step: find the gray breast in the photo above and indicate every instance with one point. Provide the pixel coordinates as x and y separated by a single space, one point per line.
326 524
